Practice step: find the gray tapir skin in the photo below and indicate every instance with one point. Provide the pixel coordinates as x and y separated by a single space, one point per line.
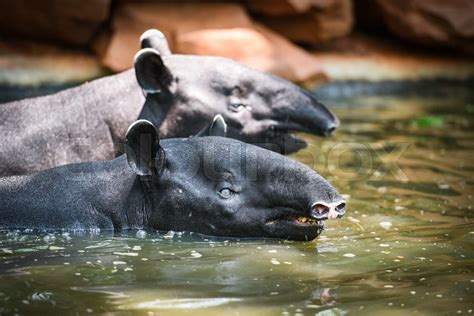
210 185
89 122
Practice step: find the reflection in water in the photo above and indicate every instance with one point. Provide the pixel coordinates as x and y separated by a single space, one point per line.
405 245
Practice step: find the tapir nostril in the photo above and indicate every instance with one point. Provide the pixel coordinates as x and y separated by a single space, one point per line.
320 211
341 208
321 208
331 129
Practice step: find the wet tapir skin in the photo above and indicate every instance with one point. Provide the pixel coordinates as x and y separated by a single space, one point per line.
210 185
89 122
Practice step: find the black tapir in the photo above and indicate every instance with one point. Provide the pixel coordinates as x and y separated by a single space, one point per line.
210 185
182 93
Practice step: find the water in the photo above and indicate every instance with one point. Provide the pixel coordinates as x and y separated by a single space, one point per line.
405 246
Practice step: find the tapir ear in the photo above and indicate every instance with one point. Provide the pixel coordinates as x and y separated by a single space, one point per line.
156 40
152 74
142 148
218 127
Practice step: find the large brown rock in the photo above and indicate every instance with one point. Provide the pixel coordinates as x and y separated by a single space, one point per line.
257 47
232 43
66 21
189 30
306 21
130 20
431 22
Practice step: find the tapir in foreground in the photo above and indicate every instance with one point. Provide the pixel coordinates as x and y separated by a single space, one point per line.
177 93
210 185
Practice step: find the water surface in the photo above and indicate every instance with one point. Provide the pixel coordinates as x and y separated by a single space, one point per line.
403 163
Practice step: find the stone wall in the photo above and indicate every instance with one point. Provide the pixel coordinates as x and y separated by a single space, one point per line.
263 34
71 22
307 21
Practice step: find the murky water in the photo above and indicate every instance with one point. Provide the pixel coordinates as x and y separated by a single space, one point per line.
406 245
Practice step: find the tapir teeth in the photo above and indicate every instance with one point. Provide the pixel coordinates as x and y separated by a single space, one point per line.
303 219
309 220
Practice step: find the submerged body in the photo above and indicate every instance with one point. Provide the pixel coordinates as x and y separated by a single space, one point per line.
210 185
71 197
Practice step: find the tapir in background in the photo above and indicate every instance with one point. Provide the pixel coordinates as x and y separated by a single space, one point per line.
177 93
210 185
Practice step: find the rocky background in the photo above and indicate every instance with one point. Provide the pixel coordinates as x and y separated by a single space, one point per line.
305 41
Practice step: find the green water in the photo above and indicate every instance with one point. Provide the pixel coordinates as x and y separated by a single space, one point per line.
405 246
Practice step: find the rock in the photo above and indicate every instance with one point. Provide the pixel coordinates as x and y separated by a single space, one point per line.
66 21
231 43
268 52
378 59
306 21
292 62
190 31
431 22
29 69
28 63
279 8
130 20
368 17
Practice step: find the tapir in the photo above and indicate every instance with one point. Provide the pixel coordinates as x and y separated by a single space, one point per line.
210 185
177 93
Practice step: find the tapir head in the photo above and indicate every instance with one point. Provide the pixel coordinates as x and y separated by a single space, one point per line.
185 92
224 187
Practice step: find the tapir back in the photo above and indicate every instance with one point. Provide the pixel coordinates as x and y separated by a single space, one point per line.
70 197
80 124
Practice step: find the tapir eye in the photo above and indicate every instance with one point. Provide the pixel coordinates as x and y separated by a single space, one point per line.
226 193
237 106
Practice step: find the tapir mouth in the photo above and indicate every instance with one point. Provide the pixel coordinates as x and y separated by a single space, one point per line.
276 131
307 225
285 138
296 219
294 226
304 220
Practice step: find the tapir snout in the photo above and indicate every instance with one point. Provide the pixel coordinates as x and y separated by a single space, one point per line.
324 211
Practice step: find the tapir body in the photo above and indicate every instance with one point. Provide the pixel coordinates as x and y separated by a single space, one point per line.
210 185
175 92
84 123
